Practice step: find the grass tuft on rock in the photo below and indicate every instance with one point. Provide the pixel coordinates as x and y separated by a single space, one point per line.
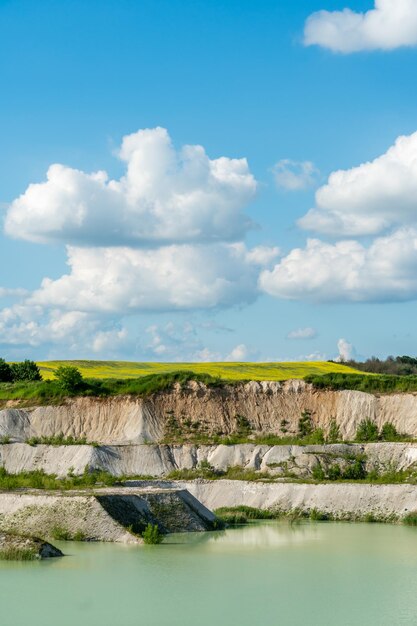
14 553
59 533
38 479
410 519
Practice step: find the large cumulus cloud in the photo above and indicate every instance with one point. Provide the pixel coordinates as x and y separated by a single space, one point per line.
165 196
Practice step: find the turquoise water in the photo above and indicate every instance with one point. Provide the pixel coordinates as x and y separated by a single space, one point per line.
311 574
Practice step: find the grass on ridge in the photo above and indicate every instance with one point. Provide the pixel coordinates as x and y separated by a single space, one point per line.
228 371
37 479
51 391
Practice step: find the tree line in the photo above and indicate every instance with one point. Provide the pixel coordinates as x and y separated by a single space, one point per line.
399 365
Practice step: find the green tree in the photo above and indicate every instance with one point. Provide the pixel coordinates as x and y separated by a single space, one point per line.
6 374
25 371
70 378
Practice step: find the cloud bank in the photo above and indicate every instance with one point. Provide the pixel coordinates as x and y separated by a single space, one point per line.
167 236
390 24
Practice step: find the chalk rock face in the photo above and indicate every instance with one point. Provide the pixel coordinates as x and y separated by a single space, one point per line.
19 547
154 461
342 501
253 407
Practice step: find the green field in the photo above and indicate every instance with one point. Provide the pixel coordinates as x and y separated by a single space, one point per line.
230 371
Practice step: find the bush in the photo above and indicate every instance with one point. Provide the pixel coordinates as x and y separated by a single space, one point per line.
316 437
318 472
6 374
62 534
389 432
334 432
367 431
25 371
152 535
355 471
69 378
243 425
305 424
319 516
334 472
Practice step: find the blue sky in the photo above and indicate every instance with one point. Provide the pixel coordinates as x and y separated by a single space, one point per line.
239 79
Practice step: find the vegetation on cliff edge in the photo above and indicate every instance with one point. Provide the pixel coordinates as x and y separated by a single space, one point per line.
364 382
68 385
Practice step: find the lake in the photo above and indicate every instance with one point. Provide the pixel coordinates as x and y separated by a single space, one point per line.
270 573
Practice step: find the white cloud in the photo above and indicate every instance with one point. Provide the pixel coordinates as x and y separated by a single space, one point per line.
239 353
371 198
262 255
205 355
164 197
211 325
25 328
169 341
110 341
126 280
174 342
375 198
348 271
294 175
302 333
6 292
31 326
390 24
346 351
314 356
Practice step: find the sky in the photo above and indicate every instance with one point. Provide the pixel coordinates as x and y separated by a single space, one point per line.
189 180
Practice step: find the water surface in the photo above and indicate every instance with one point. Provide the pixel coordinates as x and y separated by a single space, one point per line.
314 574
